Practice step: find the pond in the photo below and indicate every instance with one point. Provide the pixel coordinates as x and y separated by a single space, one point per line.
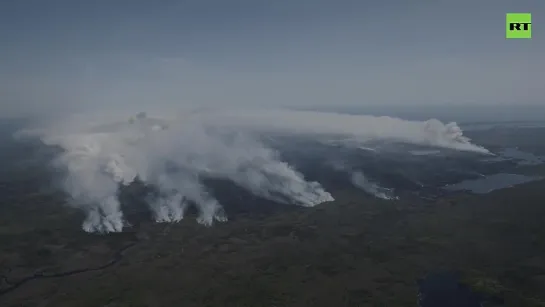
490 183
444 290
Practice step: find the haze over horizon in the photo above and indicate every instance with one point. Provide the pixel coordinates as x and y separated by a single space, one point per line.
100 55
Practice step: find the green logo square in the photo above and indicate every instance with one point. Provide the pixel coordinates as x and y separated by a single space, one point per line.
518 25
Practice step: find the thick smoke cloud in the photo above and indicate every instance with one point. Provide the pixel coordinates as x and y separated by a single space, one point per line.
431 133
176 154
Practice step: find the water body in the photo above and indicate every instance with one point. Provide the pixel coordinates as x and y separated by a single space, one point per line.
444 290
521 157
13 285
490 183
491 126
424 152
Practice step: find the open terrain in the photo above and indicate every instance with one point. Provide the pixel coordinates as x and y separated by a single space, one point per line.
355 251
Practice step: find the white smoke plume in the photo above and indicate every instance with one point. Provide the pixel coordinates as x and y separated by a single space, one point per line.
365 128
175 154
360 181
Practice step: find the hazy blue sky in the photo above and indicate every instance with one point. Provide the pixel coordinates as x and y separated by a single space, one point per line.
104 53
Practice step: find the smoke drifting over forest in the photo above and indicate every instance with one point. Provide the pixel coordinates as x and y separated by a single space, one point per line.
176 155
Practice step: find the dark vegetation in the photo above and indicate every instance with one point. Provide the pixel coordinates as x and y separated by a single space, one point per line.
356 251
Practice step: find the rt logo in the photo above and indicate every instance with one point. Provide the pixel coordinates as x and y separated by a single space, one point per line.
518 25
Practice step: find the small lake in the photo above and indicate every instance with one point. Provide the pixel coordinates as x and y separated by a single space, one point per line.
522 158
444 290
491 183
